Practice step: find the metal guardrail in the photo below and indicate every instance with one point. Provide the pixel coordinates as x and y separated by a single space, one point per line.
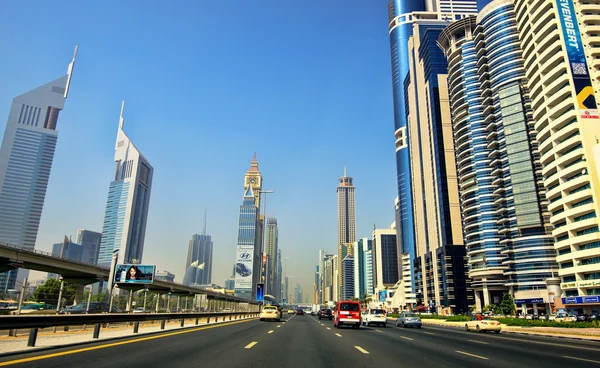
35 322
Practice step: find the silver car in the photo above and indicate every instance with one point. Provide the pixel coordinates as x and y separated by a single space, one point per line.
407 319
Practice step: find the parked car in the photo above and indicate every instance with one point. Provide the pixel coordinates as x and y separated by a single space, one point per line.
374 316
481 324
582 317
407 319
325 313
347 313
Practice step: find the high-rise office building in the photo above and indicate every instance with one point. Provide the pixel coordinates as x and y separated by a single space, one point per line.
422 153
328 279
363 267
278 283
346 220
247 255
385 258
90 241
505 215
347 289
164 276
559 40
128 202
26 157
67 249
272 247
199 260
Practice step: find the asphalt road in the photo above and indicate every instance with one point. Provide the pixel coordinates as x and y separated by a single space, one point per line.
303 341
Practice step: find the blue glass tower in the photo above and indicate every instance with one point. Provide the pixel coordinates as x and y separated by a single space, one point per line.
247 256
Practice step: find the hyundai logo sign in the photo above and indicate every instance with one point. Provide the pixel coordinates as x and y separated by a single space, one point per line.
245 255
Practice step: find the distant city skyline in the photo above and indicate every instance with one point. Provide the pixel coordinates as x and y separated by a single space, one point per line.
182 117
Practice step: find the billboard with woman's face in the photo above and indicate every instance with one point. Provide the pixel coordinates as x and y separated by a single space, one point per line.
134 274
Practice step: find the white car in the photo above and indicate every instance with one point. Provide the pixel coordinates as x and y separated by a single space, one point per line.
139 310
481 324
374 316
270 312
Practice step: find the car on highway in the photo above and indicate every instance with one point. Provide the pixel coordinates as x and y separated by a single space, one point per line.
139 310
291 311
270 312
95 307
481 324
347 312
325 313
376 317
299 312
408 319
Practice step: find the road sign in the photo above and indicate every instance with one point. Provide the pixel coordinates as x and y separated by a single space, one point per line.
260 292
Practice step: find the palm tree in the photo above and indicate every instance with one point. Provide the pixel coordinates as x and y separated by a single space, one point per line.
365 300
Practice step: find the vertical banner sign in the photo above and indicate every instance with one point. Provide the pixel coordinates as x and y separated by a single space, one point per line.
579 69
243 267
260 292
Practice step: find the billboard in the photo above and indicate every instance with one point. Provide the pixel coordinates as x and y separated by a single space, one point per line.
382 295
134 274
243 267
579 69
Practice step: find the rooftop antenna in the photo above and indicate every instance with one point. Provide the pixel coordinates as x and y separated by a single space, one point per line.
121 120
70 72
204 228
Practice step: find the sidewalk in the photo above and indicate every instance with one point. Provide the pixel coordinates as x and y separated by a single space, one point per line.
572 333
48 339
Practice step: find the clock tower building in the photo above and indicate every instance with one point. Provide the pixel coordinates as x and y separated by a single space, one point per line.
253 178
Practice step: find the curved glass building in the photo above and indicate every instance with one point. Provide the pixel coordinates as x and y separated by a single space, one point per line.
561 51
505 217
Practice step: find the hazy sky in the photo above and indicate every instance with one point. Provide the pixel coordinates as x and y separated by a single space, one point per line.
305 84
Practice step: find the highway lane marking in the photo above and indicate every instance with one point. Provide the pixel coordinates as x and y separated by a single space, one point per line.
406 338
250 345
378 330
473 355
428 333
361 350
322 324
480 342
63 353
278 325
583 360
337 334
271 331
328 328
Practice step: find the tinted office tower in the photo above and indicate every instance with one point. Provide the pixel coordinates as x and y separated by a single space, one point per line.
505 216
363 268
560 42
346 221
348 279
385 257
271 249
199 260
128 201
247 255
67 249
26 158
90 241
428 215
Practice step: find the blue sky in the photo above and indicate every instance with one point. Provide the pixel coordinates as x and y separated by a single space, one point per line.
304 84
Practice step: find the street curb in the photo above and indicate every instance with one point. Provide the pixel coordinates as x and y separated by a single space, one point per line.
46 348
542 334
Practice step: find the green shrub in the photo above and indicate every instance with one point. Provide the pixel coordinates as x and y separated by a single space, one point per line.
458 318
544 323
393 315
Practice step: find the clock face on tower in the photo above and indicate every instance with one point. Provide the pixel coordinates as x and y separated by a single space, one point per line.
252 180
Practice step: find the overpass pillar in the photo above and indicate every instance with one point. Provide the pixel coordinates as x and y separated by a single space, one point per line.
78 298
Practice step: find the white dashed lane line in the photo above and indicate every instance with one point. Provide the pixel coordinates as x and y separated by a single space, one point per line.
250 345
406 338
338 335
361 350
328 328
472 355
581 359
479 342
270 331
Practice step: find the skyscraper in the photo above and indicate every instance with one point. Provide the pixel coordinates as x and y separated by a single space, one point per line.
26 157
90 241
128 201
505 214
559 40
199 260
348 278
416 130
346 220
272 247
363 267
247 254
385 258
67 249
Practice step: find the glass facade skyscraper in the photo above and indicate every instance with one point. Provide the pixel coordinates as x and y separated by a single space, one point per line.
26 157
247 256
128 202
199 260
505 216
